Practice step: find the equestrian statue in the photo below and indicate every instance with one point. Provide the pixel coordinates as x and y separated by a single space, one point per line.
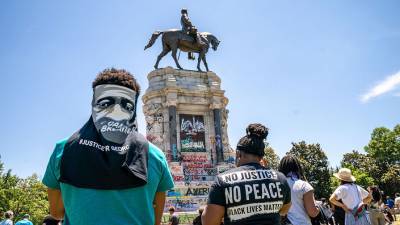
187 40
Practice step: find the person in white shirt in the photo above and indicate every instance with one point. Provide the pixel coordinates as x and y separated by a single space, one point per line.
302 193
354 198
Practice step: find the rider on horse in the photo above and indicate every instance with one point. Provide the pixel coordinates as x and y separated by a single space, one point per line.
189 29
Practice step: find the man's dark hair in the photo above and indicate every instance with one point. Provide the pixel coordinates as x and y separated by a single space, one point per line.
171 209
253 142
26 216
118 77
291 164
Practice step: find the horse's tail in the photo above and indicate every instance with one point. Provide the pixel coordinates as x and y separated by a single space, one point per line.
153 39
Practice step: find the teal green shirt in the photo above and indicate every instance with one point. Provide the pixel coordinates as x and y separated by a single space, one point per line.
132 206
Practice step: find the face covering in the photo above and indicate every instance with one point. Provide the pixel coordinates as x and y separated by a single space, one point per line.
114 112
107 152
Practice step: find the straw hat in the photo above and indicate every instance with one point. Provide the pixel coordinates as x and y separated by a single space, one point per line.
344 174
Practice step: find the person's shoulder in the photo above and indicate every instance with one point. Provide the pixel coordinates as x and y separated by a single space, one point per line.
342 187
59 148
60 145
156 153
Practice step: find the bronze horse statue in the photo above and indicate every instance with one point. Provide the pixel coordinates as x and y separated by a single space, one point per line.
175 39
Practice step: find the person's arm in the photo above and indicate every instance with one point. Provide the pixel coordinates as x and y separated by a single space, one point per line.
285 209
367 200
366 196
212 214
309 204
159 201
215 209
287 196
334 201
56 203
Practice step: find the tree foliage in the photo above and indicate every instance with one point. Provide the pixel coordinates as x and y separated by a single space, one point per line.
384 146
23 196
363 167
381 163
384 149
271 158
316 167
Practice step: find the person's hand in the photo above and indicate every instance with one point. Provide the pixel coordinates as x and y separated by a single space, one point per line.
345 208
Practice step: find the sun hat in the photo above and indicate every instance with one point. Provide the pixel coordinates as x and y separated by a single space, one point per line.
344 174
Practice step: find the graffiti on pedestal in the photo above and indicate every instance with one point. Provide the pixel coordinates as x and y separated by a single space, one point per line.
154 124
185 203
192 133
189 191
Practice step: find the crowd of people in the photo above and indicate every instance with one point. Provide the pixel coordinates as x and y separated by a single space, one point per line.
9 216
108 173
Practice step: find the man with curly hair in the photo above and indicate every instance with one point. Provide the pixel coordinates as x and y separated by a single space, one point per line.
108 173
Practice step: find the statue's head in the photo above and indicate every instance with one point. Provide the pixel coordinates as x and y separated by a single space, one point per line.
183 11
214 42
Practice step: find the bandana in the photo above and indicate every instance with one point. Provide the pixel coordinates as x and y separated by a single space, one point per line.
107 152
114 111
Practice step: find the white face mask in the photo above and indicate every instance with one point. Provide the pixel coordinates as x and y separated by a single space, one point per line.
113 111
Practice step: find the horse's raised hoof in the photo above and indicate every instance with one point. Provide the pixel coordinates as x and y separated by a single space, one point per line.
156 67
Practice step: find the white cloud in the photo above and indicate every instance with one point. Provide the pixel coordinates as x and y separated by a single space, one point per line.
388 84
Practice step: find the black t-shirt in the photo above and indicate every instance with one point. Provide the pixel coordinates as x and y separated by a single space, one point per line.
251 195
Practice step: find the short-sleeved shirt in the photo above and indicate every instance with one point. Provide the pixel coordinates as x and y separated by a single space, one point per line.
6 222
24 222
297 213
85 206
351 195
251 195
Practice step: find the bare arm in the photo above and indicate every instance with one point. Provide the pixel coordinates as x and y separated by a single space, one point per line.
159 201
309 204
212 214
56 203
368 199
285 209
333 200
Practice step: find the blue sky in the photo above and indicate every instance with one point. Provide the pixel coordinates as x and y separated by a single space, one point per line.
319 71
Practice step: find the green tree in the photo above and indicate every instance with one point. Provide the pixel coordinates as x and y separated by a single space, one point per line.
315 165
23 196
271 158
384 149
357 160
384 146
362 166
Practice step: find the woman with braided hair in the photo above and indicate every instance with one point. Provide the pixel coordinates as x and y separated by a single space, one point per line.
249 194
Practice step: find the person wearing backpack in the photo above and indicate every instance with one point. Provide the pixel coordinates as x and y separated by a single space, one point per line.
354 198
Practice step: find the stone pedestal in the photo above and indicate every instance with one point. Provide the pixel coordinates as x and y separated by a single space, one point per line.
186 117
